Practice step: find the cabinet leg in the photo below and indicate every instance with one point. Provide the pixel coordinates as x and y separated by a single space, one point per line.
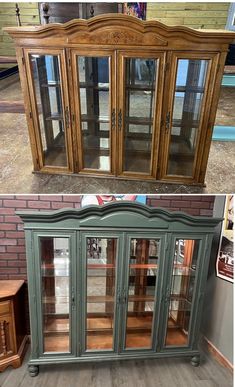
195 361
33 370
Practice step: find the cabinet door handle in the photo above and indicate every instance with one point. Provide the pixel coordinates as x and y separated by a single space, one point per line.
120 119
67 121
113 120
168 120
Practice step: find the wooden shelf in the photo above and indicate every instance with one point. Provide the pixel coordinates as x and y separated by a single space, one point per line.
55 117
86 118
188 89
140 88
99 87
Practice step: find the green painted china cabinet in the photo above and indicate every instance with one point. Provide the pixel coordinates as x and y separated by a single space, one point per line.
119 281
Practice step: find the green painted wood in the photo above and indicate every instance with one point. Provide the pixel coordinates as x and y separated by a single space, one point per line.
121 220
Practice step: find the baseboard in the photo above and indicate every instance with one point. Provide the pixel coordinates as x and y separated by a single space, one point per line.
217 354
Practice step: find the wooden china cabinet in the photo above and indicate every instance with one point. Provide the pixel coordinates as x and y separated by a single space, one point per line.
121 97
119 281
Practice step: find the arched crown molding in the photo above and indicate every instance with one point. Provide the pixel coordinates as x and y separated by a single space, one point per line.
90 215
116 29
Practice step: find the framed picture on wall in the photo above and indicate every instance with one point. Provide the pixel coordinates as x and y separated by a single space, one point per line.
225 259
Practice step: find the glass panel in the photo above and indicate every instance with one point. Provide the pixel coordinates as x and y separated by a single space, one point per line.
182 290
47 84
55 271
95 111
188 100
139 110
101 270
143 266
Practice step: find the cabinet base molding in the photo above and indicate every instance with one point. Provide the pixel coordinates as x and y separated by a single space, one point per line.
106 176
217 354
16 360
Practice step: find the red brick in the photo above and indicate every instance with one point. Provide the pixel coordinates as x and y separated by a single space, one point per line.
200 204
208 198
160 203
7 242
180 204
27 197
72 198
1 219
2 249
206 212
8 270
3 263
7 211
58 205
14 203
15 234
7 226
39 204
23 270
77 205
197 198
15 249
22 256
17 263
8 256
192 211
3 276
17 276
7 196
21 242
13 219
51 198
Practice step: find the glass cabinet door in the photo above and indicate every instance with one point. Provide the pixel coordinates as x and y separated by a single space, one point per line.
93 94
55 285
49 94
141 293
181 291
184 117
100 264
139 112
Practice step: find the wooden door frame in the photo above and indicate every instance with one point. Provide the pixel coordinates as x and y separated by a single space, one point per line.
213 59
93 52
123 54
61 54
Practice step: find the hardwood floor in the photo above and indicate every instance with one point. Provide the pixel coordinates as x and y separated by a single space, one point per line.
149 373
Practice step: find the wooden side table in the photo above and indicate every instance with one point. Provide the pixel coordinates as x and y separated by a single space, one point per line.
13 337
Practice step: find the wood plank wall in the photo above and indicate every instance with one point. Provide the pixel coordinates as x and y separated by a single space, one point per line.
29 15
195 15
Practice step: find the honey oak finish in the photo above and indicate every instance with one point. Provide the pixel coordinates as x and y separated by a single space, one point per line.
118 281
120 38
13 336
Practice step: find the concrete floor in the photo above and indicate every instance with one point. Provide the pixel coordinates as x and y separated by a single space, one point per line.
16 164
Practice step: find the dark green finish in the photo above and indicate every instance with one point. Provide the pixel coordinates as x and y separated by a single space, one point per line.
121 220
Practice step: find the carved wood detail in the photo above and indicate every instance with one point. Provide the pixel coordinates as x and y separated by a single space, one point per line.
126 36
3 337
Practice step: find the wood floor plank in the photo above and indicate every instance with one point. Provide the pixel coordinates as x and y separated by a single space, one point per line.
176 372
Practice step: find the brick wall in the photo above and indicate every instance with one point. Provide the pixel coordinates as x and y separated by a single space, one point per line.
12 242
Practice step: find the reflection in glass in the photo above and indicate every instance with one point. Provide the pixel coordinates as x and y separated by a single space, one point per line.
55 268
139 112
101 269
94 92
182 290
47 84
188 100
144 255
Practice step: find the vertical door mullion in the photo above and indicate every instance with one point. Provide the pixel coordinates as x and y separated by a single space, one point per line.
155 109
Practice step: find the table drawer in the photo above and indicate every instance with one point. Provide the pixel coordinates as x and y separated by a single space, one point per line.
5 307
